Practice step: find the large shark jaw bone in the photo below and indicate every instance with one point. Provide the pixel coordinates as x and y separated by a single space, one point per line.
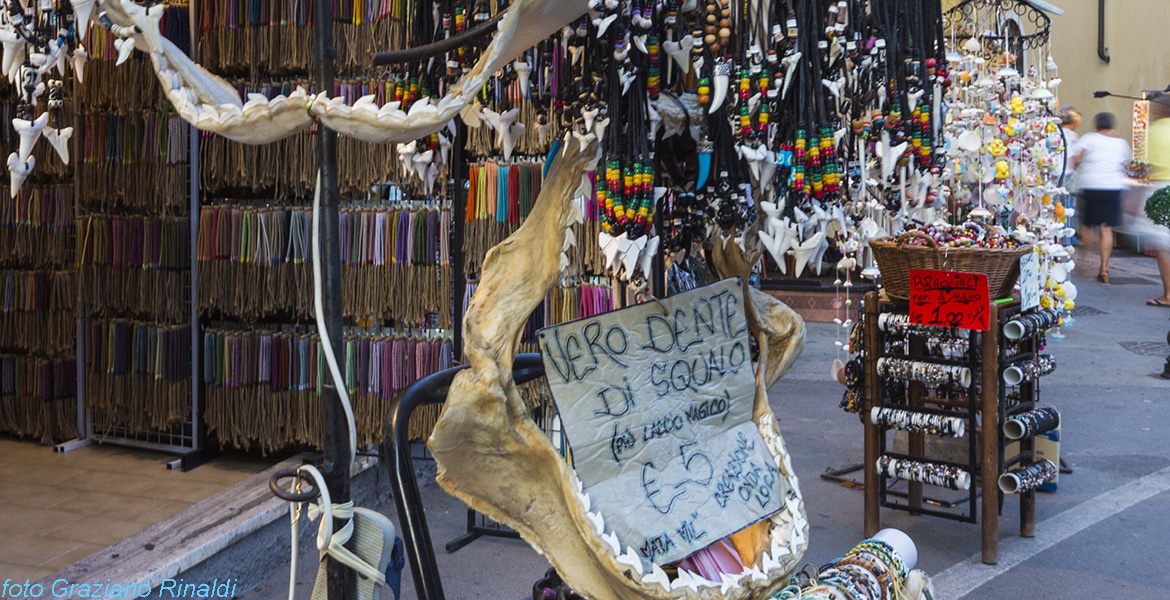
212 105
496 460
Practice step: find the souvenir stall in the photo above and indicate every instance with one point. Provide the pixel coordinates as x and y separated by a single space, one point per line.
513 173
948 356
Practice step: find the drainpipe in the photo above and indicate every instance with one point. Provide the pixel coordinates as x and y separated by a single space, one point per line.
1102 51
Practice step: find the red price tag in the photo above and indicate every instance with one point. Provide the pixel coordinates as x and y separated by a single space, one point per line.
949 299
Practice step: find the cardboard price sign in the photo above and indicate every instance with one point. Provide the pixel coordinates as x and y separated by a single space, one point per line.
657 402
949 299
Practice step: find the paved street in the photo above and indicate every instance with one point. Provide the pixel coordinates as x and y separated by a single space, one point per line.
1102 535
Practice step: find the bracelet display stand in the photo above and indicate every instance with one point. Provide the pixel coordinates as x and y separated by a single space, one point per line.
982 402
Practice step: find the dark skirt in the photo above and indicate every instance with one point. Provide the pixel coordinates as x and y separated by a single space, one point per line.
1100 207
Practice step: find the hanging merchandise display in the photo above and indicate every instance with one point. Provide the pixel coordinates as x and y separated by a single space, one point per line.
38 288
140 372
671 145
127 263
264 387
396 261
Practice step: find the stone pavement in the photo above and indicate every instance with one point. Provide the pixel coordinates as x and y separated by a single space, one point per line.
1101 535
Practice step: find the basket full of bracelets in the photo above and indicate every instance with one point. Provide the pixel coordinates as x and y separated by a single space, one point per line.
967 248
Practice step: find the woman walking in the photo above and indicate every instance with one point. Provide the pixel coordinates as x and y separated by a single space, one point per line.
1100 158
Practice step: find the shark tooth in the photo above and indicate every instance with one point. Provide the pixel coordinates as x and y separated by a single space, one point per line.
18 171
254 101
685 579
208 117
421 106
570 239
598 524
230 114
586 502
680 52
599 127
610 250
730 581
79 58
790 61
584 139
631 559
602 24
59 140
29 132
365 105
646 256
82 10
390 112
630 249
657 575
834 87
576 214
13 45
524 75
589 115
125 48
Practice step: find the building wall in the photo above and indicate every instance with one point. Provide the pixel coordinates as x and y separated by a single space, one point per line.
1137 43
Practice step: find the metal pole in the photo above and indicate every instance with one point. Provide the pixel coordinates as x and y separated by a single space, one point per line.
341 582
458 229
193 219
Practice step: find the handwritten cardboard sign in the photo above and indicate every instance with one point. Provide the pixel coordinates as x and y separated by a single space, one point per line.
657 403
949 299
1029 281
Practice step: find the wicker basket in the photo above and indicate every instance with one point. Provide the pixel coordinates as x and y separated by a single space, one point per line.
895 258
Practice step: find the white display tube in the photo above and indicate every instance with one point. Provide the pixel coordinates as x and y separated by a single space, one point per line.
902 544
1014 330
1013 375
1014 430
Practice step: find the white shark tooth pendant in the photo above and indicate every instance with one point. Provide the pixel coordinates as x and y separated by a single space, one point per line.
59 140
508 140
603 24
680 51
524 73
29 132
789 70
82 10
588 115
599 127
719 83
18 171
125 48
12 44
79 57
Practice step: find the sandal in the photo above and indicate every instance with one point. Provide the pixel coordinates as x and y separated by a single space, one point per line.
1103 277
1156 302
